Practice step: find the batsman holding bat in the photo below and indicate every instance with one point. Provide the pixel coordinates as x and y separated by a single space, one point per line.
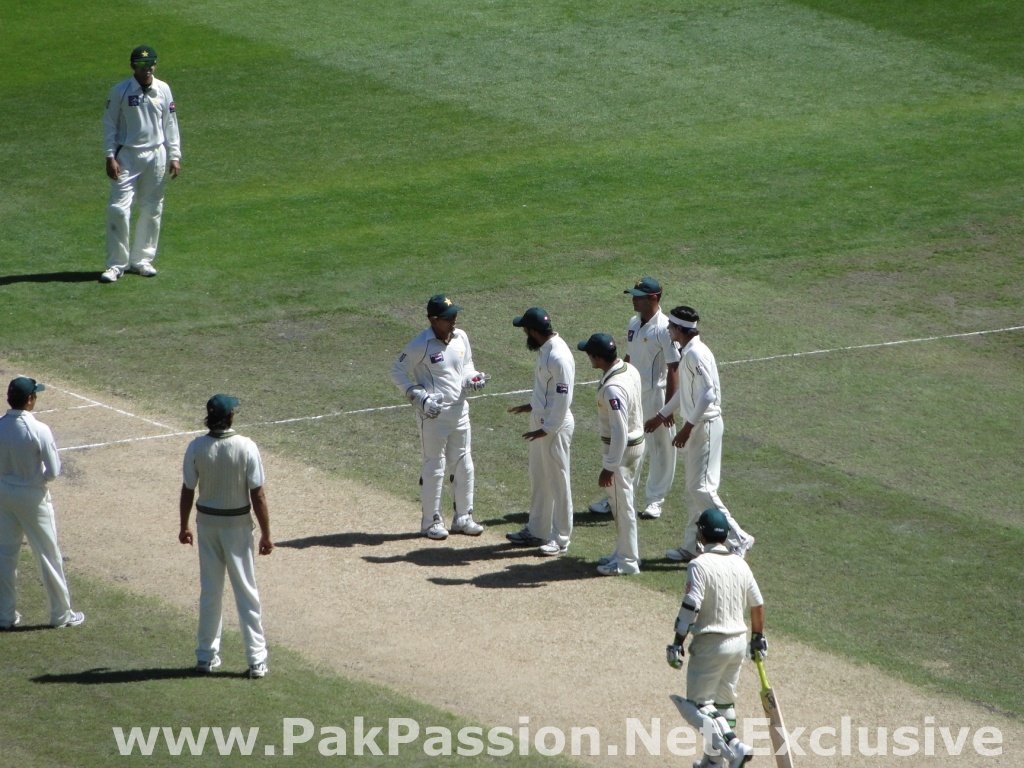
719 588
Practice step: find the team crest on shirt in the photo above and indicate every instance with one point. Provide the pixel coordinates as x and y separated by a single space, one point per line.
401 357
437 357
172 106
562 389
133 101
615 403
700 369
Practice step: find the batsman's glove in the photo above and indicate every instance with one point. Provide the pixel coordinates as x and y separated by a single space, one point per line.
477 381
674 656
758 646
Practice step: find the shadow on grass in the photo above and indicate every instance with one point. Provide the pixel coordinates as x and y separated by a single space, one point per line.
52 277
107 676
345 540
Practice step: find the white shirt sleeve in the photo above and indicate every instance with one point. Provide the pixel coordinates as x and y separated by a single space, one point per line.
111 115
254 467
618 424
48 450
562 372
403 372
172 138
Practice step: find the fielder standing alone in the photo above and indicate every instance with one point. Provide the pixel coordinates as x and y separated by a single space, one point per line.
228 471
142 145
434 373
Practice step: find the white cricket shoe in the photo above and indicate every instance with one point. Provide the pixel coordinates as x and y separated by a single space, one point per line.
602 507
206 667
523 538
13 624
467 525
615 569
145 269
77 619
606 559
679 555
110 275
553 549
652 511
436 530
258 670
744 547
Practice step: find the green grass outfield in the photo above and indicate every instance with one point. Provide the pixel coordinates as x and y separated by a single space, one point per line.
813 175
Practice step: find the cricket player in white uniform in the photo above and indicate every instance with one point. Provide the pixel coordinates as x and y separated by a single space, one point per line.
719 590
28 463
699 400
228 471
434 373
652 352
551 429
142 145
621 425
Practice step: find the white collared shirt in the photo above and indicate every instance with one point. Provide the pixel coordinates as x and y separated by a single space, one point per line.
437 367
141 120
553 385
651 350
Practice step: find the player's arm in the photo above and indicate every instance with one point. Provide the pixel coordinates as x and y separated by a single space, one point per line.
262 514
50 457
172 137
618 424
560 386
185 502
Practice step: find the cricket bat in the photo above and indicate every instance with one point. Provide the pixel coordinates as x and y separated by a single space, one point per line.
780 744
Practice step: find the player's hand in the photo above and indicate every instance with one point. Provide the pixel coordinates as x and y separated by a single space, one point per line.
682 435
266 545
113 169
185 536
521 408
758 646
653 423
535 434
478 382
674 655
604 480
175 168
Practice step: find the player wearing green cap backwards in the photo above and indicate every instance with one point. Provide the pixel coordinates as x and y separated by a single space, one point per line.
142 144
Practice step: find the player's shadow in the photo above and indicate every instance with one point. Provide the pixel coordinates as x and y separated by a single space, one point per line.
346 540
25 628
107 676
444 556
51 277
527 575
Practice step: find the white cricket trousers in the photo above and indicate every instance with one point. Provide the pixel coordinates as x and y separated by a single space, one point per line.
658 450
445 443
703 457
143 174
27 510
713 669
621 497
226 545
551 490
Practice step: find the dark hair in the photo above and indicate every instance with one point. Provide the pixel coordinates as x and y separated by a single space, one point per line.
224 422
608 356
683 312
17 401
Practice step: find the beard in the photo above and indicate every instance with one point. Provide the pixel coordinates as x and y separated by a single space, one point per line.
532 344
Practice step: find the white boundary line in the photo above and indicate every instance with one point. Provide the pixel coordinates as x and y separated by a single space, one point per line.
334 414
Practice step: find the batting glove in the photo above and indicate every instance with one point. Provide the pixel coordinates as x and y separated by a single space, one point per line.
674 656
477 382
758 646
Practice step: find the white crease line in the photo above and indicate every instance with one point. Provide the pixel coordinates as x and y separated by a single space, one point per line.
72 408
872 346
112 408
378 409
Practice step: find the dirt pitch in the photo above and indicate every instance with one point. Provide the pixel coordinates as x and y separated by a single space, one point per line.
472 626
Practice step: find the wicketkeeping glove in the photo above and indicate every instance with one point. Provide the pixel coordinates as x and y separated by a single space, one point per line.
674 656
758 646
477 382
427 404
